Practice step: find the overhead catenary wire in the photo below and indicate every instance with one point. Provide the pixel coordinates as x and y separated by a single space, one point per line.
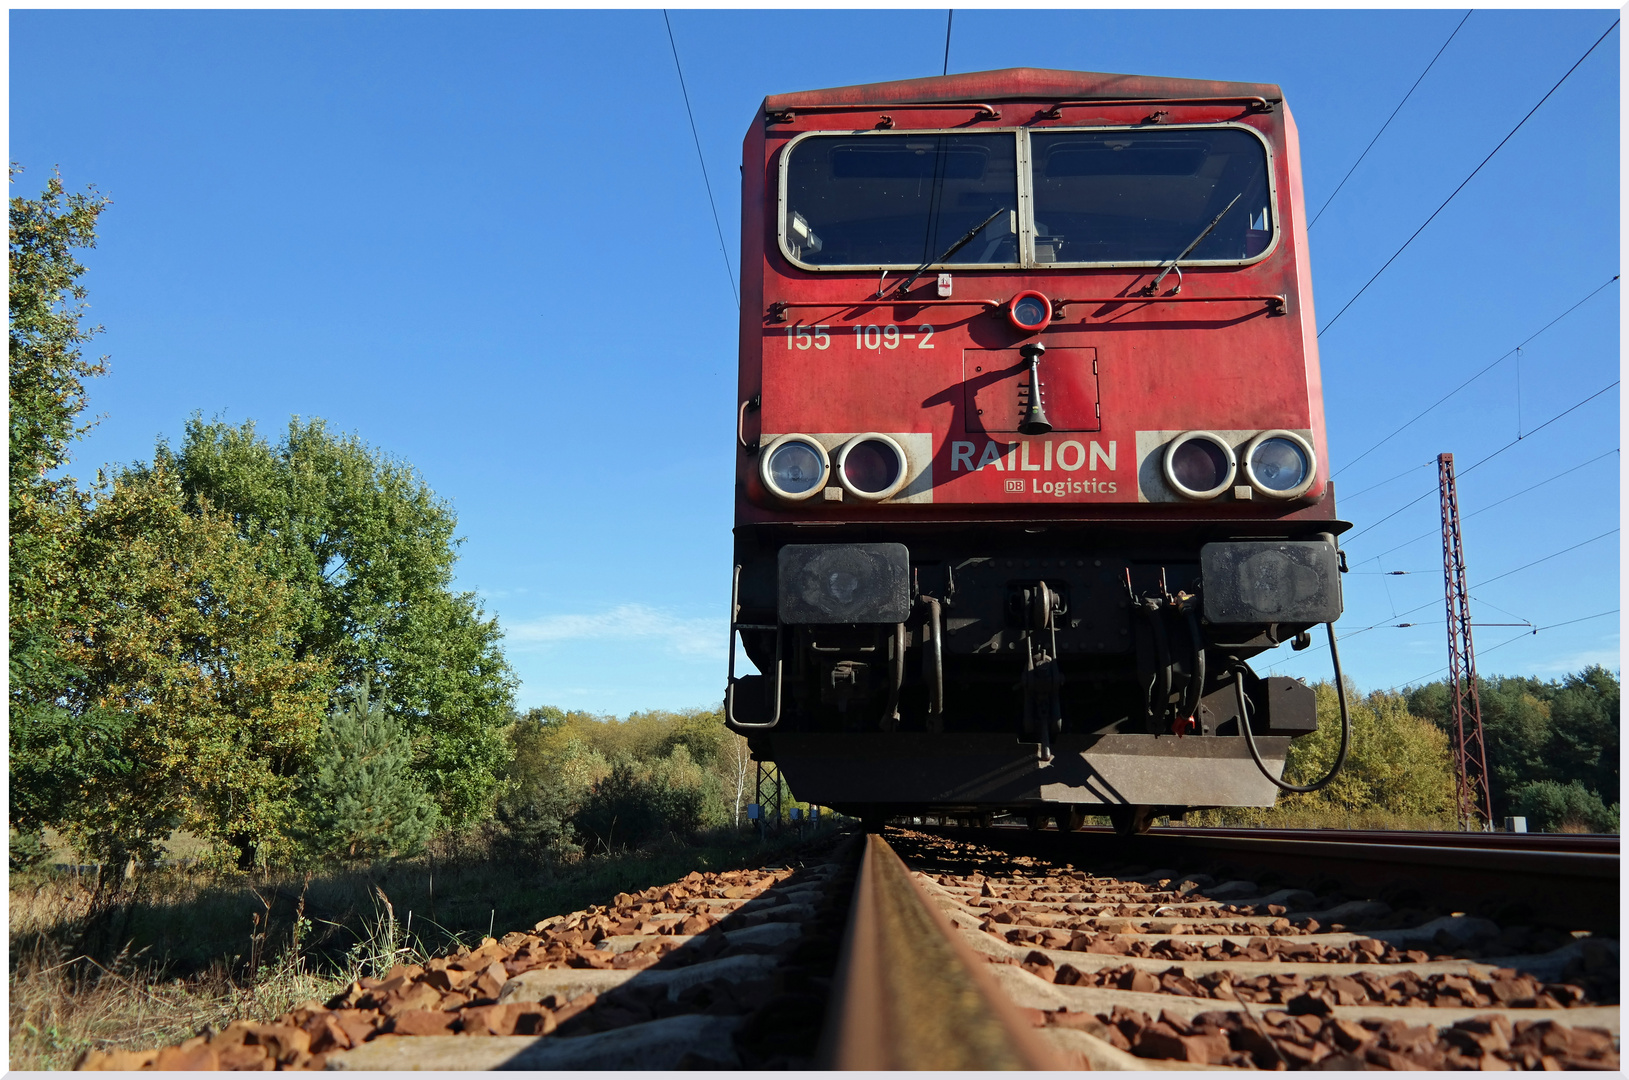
1465 181
1434 532
1389 119
1419 679
1372 487
1387 623
1547 558
1422 413
1483 461
1496 607
1491 505
711 202
950 16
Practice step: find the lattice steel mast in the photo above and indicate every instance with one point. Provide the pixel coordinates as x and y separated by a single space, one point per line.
1470 753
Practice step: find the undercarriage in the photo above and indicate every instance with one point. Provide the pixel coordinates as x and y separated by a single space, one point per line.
1002 669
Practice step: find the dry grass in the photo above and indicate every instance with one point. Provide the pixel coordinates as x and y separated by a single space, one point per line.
61 1008
203 948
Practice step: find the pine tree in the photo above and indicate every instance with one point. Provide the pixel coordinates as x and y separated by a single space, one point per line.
365 801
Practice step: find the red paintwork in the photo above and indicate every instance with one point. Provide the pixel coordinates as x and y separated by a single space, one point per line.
993 382
1222 366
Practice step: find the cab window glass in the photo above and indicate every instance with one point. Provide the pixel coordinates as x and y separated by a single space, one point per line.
1142 196
901 200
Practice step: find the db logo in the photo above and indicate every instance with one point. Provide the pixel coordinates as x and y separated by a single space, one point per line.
1015 485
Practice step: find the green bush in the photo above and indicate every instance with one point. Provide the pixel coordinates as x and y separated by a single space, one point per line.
535 820
642 801
1550 806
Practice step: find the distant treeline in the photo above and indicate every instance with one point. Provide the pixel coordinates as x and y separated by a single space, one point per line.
1552 747
1552 750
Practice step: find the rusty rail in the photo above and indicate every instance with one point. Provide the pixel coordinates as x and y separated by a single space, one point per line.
909 994
1556 881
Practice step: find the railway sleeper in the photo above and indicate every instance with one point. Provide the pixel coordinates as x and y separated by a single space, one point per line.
1303 1007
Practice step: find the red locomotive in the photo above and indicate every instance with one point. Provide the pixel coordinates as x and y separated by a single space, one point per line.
1031 445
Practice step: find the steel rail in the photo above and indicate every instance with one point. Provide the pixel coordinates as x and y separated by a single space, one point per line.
1558 886
909 994
1557 842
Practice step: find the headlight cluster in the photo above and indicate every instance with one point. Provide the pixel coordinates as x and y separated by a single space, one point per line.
870 467
1276 464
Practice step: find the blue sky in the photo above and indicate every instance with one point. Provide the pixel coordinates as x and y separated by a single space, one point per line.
482 242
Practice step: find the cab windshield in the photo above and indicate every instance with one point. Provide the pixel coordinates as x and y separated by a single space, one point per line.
1098 197
900 200
1142 196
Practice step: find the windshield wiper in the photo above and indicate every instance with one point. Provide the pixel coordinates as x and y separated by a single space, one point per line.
1153 286
951 250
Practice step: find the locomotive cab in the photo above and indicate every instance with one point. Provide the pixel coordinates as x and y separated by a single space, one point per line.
1031 456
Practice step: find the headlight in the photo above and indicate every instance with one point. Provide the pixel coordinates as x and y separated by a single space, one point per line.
871 466
1199 464
1279 464
794 467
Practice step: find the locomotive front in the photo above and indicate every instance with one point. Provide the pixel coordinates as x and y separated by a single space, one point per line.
1031 452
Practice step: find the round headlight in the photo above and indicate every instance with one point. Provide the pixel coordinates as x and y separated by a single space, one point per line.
794 467
871 466
1030 311
1199 464
1279 464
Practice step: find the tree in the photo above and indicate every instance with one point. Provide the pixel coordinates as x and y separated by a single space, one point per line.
53 751
643 801
176 631
368 550
1541 731
1585 740
737 761
539 801
47 331
365 801
1398 763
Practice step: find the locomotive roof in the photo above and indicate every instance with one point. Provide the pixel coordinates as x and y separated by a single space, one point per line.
1022 83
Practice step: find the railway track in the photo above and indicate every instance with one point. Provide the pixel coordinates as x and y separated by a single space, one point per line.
975 949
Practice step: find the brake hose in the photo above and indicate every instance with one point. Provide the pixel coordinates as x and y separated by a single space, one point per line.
1346 725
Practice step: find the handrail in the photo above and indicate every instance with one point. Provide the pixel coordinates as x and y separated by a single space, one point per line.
752 403
776 311
786 116
1255 104
1276 303
729 678
909 994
